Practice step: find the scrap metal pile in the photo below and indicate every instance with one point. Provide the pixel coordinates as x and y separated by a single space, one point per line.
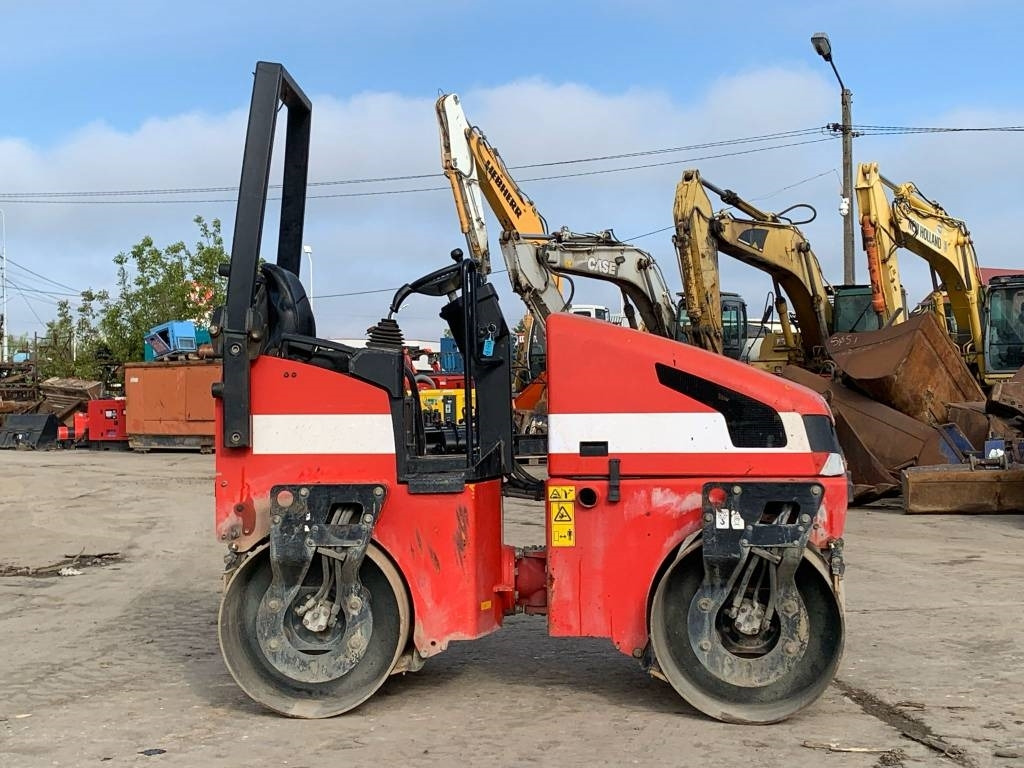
21 392
32 412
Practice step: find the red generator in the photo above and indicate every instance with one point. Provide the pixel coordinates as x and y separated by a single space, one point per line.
101 427
693 515
107 423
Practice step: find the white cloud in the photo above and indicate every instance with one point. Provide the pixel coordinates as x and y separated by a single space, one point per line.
367 243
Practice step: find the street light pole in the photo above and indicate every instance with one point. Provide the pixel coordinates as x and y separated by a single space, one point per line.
823 47
308 250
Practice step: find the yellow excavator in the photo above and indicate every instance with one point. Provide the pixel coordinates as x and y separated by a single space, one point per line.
773 243
537 259
986 323
476 172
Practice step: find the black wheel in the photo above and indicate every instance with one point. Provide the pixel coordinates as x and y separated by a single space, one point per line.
267 685
757 701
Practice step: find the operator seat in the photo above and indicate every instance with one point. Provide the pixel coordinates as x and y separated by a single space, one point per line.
289 311
291 329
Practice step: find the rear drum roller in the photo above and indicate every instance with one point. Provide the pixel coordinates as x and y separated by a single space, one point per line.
749 675
268 685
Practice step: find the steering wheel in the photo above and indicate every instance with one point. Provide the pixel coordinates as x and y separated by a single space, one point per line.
441 282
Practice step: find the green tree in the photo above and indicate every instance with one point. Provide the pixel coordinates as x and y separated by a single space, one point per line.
157 285
72 345
20 343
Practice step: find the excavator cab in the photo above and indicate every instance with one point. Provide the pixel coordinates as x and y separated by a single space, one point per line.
1004 325
734 325
851 309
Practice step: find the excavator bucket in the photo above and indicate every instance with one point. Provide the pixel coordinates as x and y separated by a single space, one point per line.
912 367
962 488
973 486
878 441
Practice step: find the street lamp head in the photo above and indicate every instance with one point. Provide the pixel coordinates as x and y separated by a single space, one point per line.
308 250
821 44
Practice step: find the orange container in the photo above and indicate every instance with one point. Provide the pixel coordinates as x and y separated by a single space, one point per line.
169 405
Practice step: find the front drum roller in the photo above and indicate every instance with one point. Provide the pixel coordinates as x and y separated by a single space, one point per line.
264 681
754 677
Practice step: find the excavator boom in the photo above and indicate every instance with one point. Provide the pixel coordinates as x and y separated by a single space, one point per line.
923 227
698 263
780 250
600 256
764 241
475 168
459 167
536 259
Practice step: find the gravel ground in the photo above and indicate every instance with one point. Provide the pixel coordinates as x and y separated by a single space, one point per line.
101 667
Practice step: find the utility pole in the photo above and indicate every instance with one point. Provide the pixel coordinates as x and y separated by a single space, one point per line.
849 276
823 47
4 330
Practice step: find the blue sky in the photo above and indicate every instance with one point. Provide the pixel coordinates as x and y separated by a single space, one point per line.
137 95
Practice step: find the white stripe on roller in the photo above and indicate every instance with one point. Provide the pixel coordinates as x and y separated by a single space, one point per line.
834 465
328 433
661 433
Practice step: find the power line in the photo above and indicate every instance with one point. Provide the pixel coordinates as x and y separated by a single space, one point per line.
43 277
379 290
793 185
759 197
61 294
648 234
864 130
27 304
42 293
49 300
419 176
353 293
889 130
686 148
337 195
627 240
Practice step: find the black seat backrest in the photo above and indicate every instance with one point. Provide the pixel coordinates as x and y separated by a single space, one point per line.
288 305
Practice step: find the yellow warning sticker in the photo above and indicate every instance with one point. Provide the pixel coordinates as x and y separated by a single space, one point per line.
561 511
485 605
563 523
562 493
563 536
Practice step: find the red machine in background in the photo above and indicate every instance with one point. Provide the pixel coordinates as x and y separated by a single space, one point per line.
693 518
102 426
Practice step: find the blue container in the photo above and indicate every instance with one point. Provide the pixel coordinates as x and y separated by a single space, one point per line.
202 337
176 337
451 358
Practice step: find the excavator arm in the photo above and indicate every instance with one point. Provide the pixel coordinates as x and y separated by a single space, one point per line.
476 172
881 239
697 254
764 241
535 259
459 167
923 227
635 272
